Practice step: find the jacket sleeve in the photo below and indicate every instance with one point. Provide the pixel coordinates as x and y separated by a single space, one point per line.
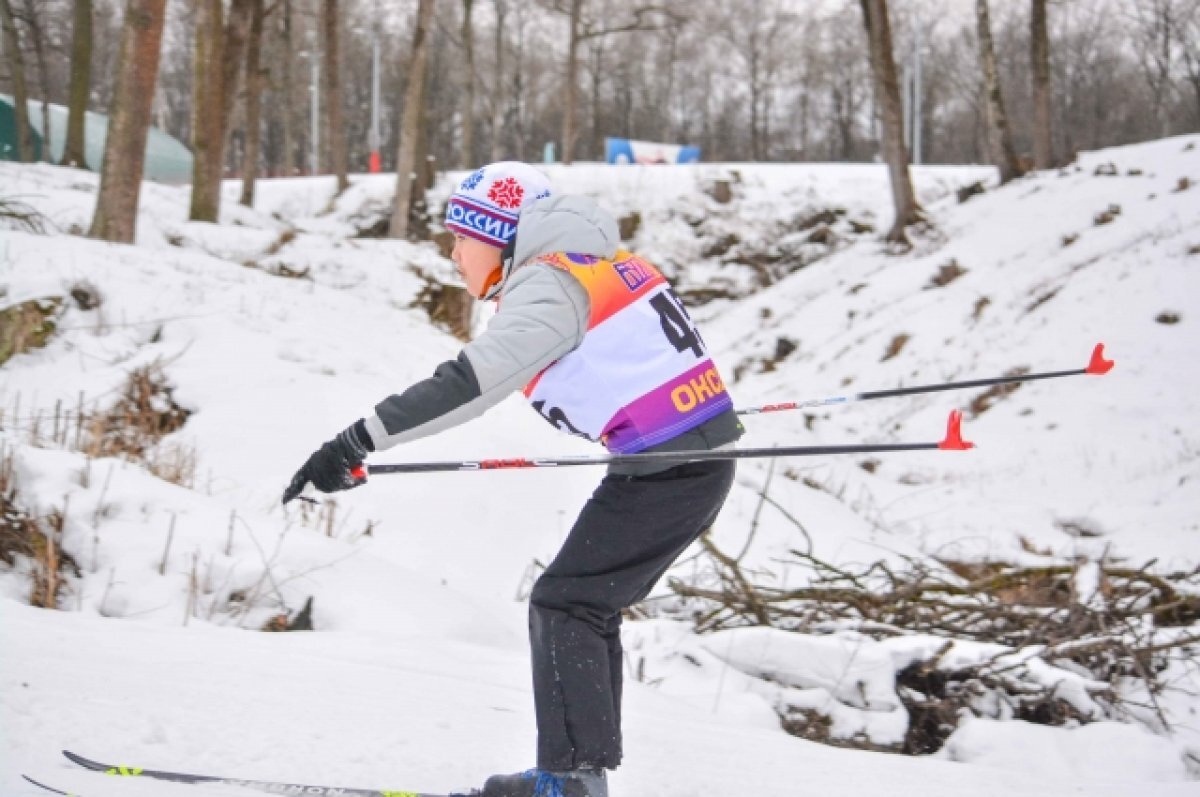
543 315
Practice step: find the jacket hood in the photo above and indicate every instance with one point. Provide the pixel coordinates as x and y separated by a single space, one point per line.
569 223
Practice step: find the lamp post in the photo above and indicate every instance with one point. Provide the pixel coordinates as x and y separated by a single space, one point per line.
911 83
375 163
314 94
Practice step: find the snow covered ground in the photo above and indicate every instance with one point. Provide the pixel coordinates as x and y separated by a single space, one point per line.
417 677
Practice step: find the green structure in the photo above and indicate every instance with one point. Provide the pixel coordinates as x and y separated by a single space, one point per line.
167 159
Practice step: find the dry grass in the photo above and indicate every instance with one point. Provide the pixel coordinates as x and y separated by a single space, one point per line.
987 399
27 325
22 536
16 527
133 427
895 347
946 274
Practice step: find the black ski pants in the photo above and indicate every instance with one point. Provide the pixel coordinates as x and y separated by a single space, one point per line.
628 534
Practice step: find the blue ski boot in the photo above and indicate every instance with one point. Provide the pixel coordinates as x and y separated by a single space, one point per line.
540 783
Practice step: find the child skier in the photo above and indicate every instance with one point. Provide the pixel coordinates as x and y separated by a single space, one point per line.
603 349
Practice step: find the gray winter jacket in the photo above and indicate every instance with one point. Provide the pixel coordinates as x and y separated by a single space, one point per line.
543 315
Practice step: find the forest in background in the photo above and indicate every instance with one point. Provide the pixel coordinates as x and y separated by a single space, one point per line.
772 80
286 87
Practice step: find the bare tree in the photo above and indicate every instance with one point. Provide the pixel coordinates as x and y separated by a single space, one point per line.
75 149
254 88
287 90
467 112
597 67
334 127
233 51
1039 58
999 133
839 76
207 136
414 110
755 33
16 69
887 93
1187 36
580 28
498 93
129 121
38 36
217 59
1154 24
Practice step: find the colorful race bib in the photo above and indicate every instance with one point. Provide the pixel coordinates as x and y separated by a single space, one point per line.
642 375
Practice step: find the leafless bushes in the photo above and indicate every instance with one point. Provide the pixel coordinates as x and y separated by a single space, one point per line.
16 527
144 413
1120 629
132 429
36 540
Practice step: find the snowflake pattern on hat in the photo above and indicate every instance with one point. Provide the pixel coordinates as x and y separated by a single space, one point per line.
472 180
487 203
507 193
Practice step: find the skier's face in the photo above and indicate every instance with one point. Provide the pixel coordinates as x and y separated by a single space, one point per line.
476 262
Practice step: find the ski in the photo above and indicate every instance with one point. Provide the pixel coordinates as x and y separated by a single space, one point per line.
269 786
50 789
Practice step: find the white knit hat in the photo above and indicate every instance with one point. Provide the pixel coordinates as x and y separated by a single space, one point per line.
488 203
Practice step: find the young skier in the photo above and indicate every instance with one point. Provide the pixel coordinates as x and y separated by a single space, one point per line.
603 349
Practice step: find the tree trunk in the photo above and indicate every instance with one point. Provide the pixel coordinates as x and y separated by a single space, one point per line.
129 121
237 28
1039 56
668 123
572 89
887 92
75 149
254 87
334 128
466 158
16 69
1002 145
498 93
407 168
288 89
755 92
596 51
207 127
39 55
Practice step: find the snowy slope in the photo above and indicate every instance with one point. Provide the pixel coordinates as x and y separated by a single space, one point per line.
418 678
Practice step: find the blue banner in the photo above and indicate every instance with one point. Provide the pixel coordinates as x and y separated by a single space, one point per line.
626 150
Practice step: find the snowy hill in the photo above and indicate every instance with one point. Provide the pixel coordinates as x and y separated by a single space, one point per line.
417 677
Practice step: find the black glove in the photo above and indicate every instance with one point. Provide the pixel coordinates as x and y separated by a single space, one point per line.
330 466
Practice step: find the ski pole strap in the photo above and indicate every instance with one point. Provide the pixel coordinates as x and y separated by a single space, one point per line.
1097 366
953 441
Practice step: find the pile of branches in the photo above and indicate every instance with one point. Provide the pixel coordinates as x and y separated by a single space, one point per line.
989 602
1109 624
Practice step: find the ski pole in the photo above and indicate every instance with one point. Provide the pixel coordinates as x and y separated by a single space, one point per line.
1098 366
953 441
